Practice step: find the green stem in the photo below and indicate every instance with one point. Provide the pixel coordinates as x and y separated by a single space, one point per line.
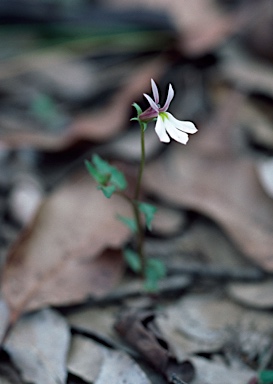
142 162
134 204
140 235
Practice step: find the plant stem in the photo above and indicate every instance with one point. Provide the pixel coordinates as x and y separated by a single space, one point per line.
142 162
140 235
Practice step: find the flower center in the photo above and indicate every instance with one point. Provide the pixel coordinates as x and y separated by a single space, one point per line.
163 115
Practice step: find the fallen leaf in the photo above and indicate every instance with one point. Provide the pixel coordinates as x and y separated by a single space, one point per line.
38 346
204 323
85 358
122 369
255 295
95 363
138 328
65 255
96 321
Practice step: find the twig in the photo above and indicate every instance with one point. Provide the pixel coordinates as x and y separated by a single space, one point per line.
217 272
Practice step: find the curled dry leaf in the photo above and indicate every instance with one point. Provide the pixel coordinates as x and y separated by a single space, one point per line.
139 329
65 255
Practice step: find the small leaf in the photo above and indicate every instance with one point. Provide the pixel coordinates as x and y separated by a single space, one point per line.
133 260
155 270
108 190
266 377
149 211
97 176
115 176
138 109
102 165
130 223
118 178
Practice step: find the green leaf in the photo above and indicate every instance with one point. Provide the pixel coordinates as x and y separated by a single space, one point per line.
266 377
130 223
102 165
116 177
107 190
97 176
149 211
155 270
138 109
132 259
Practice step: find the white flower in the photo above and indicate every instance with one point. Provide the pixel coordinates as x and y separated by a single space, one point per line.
166 124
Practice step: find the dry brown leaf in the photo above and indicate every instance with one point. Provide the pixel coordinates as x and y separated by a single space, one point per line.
210 177
97 126
64 256
138 327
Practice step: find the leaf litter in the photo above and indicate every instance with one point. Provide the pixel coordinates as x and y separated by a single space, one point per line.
68 253
38 346
214 230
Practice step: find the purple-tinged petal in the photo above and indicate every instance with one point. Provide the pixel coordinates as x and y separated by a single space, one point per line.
161 131
168 100
148 115
176 134
155 91
185 126
151 102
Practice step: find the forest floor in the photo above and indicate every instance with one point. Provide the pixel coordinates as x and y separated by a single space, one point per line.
71 311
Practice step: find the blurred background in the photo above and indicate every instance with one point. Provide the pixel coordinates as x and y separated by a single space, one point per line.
70 70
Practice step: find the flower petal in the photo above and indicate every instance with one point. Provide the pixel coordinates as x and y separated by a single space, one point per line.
155 91
185 126
161 130
175 133
168 100
151 102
